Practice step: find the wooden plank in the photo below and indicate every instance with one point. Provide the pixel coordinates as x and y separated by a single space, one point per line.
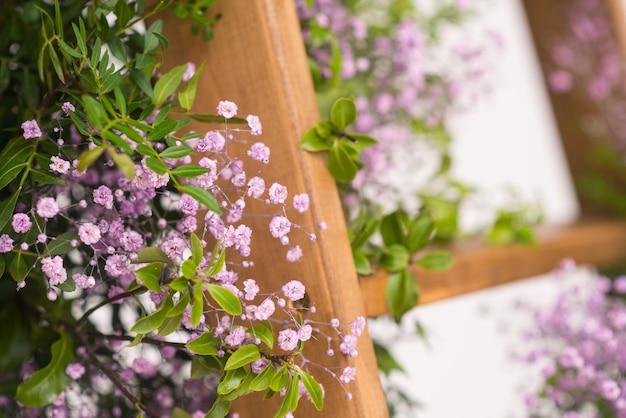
258 61
478 267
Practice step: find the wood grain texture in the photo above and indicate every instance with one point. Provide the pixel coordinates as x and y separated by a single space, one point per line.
258 61
479 267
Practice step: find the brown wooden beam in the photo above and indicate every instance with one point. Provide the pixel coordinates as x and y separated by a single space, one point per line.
480 267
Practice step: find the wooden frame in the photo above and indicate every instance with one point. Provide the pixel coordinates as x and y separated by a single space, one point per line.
258 61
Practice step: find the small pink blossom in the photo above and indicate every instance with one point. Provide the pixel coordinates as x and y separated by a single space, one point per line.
348 374
6 243
75 370
31 129
288 340
301 202
279 226
251 289
278 193
83 281
144 368
53 268
189 72
47 207
59 165
304 333
358 326
256 187
103 196
67 107
89 233
294 254
348 345
227 109
294 290
21 223
264 310
259 152
236 337
255 125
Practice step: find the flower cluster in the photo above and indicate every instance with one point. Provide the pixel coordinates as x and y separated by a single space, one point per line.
579 342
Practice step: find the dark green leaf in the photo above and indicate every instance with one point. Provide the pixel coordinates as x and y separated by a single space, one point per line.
154 320
391 228
225 298
16 332
20 265
231 380
177 152
46 384
190 171
7 207
402 293
386 362
362 263
153 254
206 344
65 48
182 304
216 119
13 159
202 366
156 165
220 409
421 230
41 177
196 249
396 257
62 244
142 81
162 129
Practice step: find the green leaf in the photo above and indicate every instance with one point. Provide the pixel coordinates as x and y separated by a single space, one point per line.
80 38
62 244
217 264
362 141
167 84
68 50
421 230
197 305
206 344
391 228
202 366
311 141
202 196
225 298
290 400
341 164
182 304
95 111
177 412
188 269
436 261
46 384
177 152
2 268
156 165
41 177
89 157
395 258
179 284
7 207
313 388
153 254
402 293
149 276
162 129
142 81
220 409
385 360
56 63
231 380
151 41
171 324
264 332
280 379
196 249
244 355
343 113
263 379
190 171
362 263
21 265
154 320
123 162
188 95
216 119
13 159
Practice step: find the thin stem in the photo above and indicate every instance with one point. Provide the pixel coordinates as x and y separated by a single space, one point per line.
153 341
112 299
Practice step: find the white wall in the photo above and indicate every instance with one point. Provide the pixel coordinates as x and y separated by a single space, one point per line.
509 139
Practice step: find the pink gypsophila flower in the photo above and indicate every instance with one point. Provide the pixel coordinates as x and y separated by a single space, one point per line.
279 226
304 333
227 109
103 196
255 125
47 207
6 243
348 374
259 152
53 268
294 254
75 370
348 345
59 165
67 107
31 129
89 233
189 72
294 290
144 368
83 281
256 187
358 326
264 310
301 202
21 223
212 141
251 289
236 337
278 193
288 340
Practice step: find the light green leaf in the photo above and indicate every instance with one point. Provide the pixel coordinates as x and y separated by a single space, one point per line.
340 163
264 332
362 263
89 157
162 129
436 261
156 165
231 380
177 412
188 95
152 254
312 142
313 388
46 384
168 84
182 304
123 162
280 379
244 355
196 249
177 152
263 379
95 111
402 293
343 113
395 258
149 276
421 230
206 344
154 320
225 298
202 196
220 409
188 269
